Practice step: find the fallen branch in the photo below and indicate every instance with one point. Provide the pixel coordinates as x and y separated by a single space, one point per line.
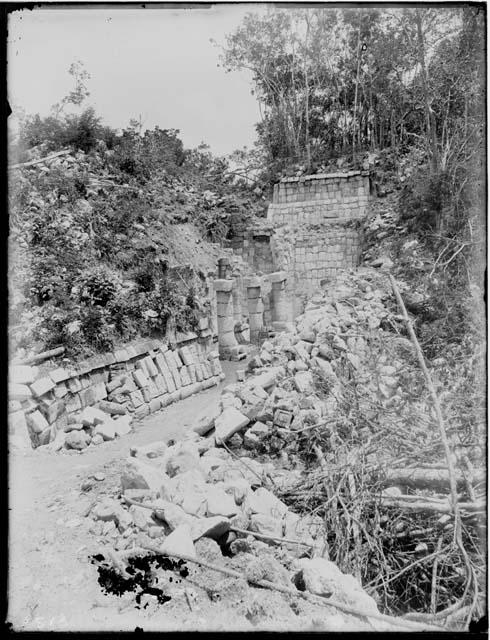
458 537
305 595
262 536
439 506
42 356
40 160
429 478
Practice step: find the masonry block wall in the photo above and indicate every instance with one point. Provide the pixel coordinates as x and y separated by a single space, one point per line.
139 379
317 223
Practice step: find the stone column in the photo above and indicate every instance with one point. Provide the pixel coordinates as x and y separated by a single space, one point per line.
226 320
279 303
236 295
255 307
224 268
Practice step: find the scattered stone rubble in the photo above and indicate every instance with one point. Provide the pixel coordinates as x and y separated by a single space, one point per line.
302 378
197 491
205 490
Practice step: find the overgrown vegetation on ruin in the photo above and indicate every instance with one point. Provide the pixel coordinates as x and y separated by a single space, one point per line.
89 264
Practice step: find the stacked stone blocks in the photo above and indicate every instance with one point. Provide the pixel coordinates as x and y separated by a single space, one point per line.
140 379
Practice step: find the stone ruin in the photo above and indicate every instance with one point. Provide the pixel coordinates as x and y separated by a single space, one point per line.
313 228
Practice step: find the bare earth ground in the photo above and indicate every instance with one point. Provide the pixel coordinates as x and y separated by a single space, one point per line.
52 584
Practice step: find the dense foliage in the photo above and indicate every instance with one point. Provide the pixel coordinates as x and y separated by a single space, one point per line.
89 255
398 91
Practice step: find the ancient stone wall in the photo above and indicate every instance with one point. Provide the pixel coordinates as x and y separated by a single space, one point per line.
317 223
139 379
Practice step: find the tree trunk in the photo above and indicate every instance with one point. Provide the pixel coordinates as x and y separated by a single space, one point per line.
430 123
354 121
427 478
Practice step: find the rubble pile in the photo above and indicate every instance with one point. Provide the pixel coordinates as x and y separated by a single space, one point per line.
346 360
197 501
310 469
341 401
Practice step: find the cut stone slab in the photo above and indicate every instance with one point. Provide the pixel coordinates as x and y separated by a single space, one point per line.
91 416
87 396
220 503
122 426
112 408
283 418
303 381
228 423
212 528
22 374
150 367
266 525
139 475
172 514
37 422
179 542
266 379
54 411
19 392
140 378
107 429
264 502
205 421
42 386
195 504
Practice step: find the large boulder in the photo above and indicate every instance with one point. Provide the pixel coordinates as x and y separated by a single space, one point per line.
322 577
77 440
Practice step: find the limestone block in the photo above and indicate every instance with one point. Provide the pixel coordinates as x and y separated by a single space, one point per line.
19 392
42 386
228 423
140 378
22 374
223 285
87 397
37 422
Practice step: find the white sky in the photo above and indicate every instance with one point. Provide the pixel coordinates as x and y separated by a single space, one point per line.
155 62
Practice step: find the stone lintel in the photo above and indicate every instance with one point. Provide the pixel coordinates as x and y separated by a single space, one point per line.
252 281
278 276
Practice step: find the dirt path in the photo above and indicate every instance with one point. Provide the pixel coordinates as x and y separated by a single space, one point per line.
52 585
